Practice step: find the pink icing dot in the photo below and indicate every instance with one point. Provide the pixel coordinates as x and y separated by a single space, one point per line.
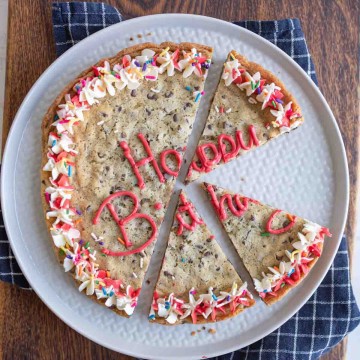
158 206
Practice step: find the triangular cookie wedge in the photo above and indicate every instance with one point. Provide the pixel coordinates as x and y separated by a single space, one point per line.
113 143
196 282
277 248
251 106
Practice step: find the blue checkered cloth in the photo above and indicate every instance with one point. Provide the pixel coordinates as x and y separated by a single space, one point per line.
331 313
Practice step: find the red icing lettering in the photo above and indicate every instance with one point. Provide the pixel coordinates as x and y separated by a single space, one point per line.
253 140
207 163
136 164
188 207
177 156
220 152
122 222
282 230
226 156
241 205
151 159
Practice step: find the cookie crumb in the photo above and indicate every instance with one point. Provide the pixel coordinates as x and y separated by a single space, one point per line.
211 331
203 327
131 39
193 333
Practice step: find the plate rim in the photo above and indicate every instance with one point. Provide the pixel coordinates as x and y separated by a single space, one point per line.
9 151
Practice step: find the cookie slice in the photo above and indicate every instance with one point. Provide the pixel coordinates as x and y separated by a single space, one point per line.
277 248
196 283
112 147
251 106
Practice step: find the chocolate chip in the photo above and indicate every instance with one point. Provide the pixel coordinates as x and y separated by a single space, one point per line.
107 168
148 281
115 189
175 118
152 96
207 253
208 240
199 246
119 109
209 126
100 155
187 105
167 274
196 88
143 201
252 217
123 135
43 182
148 111
133 93
104 114
169 94
217 269
216 256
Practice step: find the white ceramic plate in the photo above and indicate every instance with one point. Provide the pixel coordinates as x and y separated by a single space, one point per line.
304 172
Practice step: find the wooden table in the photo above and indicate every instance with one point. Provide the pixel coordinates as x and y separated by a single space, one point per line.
28 328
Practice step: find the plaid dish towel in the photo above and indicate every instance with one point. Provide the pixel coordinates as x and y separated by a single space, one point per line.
331 313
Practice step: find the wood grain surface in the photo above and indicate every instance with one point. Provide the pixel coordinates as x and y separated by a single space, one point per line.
28 328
